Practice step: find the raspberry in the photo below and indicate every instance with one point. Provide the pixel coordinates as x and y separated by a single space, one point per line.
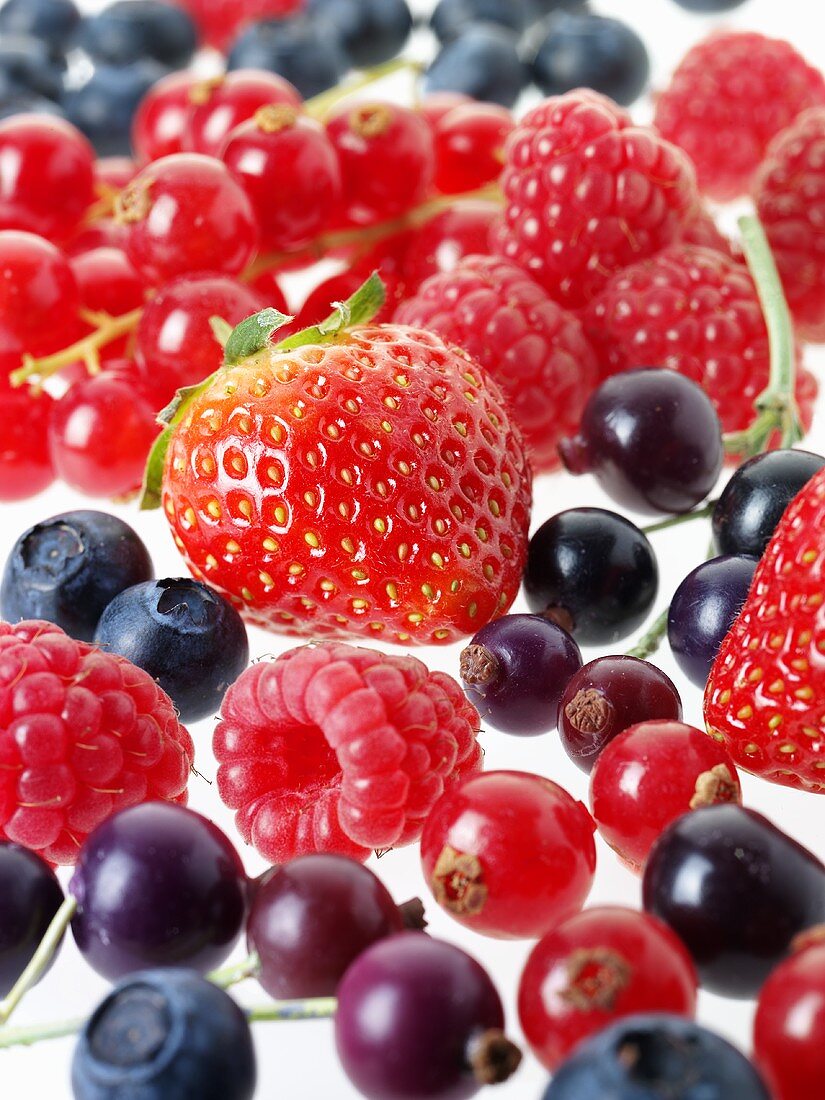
82 734
588 193
335 748
731 94
534 349
790 198
695 311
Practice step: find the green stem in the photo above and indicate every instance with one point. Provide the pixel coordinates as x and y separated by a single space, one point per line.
40 960
239 972
320 105
687 517
776 405
314 1008
649 642
27 1036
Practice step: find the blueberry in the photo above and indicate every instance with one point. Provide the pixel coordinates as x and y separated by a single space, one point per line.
136 30
581 50
703 610
295 50
27 66
190 639
653 1057
53 21
24 103
451 18
753 501
103 108
67 569
709 5
30 896
371 31
482 62
165 1035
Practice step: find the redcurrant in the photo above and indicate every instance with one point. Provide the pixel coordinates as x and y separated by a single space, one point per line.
440 245
218 106
39 297
162 118
469 146
25 466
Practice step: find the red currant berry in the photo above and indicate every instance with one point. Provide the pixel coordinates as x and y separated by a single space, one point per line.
289 170
25 466
39 298
108 283
186 213
387 160
219 21
162 118
47 177
605 697
651 774
174 338
146 386
218 106
267 287
434 107
100 435
598 966
509 854
104 233
469 146
441 244
789 1028
113 173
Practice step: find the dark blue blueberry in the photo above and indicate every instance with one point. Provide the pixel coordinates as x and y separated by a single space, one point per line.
709 5
371 31
703 610
295 50
103 108
67 569
483 62
754 500
653 1057
23 103
451 18
27 66
165 1035
53 21
136 30
580 50
187 637
30 896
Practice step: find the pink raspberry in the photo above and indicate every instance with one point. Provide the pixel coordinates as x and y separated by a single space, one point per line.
588 193
534 349
335 748
83 734
731 94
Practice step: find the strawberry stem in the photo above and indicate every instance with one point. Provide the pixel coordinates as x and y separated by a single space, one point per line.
776 406
84 350
39 962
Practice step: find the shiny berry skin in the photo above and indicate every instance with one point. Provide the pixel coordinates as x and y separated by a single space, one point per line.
174 341
39 296
736 890
649 1057
100 435
312 62
289 170
583 143
652 439
509 854
482 62
436 106
165 1033
185 214
107 283
594 571
451 17
596 967
469 146
311 919
44 158
443 242
25 463
418 1017
67 568
651 774
157 885
104 108
187 637
584 50
731 94
789 1027
754 500
105 233
702 611
387 159
605 697
220 21
113 173
30 896
125 31
514 672
218 106
371 31
159 125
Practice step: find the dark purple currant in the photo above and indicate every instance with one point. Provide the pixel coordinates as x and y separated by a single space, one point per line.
30 896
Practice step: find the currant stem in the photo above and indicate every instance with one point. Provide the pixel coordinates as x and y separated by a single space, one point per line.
27 1036
312 1008
232 975
84 350
649 642
776 405
40 959
687 517
320 105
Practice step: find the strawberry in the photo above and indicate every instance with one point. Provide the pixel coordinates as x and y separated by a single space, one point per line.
360 480
765 698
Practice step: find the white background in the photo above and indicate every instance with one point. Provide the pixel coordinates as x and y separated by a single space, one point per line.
297 1060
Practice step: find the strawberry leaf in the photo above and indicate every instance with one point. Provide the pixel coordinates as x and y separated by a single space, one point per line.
253 335
150 494
360 309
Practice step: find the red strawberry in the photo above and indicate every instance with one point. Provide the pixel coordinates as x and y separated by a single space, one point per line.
372 484
765 698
